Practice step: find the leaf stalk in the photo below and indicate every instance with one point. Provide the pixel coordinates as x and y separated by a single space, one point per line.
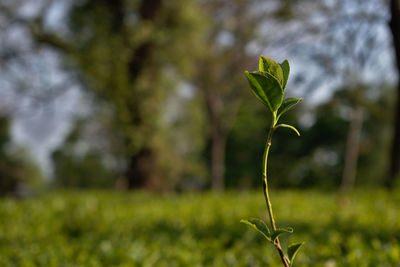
266 192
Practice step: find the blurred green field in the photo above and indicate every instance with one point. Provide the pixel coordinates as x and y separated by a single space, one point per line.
143 229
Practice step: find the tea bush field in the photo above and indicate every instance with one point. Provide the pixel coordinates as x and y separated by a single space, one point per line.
143 229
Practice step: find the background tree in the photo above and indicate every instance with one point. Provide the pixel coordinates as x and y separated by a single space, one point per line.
394 25
219 75
79 164
136 81
19 174
164 78
235 27
345 47
130 62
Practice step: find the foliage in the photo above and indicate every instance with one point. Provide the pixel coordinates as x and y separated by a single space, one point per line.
102 43
132 62
316 159
140 229
18 172
81 171
232 27
77 164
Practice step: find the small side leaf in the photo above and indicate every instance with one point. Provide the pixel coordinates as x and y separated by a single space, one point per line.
273 68
280 231
288 126
286 70
259 226
292 251
287 104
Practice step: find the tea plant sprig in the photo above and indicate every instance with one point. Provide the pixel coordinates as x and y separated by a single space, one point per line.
268 84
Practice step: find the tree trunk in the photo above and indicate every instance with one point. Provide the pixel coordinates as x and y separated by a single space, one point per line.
141 169
217 139
142 165
395 153
218 144
352 148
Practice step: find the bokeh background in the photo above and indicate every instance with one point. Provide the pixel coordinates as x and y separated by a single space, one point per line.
130 137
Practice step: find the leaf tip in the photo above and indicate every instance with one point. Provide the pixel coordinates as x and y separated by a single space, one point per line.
292 251
288 126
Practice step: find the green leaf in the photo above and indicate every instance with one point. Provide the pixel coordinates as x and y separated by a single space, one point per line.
259 226
287 104
257 89
280 231
287 126
266 88
286 70
273 68
292 251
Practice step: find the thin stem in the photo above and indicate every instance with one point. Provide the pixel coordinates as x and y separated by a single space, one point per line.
266 193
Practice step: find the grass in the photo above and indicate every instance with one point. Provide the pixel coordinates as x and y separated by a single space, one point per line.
143 229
